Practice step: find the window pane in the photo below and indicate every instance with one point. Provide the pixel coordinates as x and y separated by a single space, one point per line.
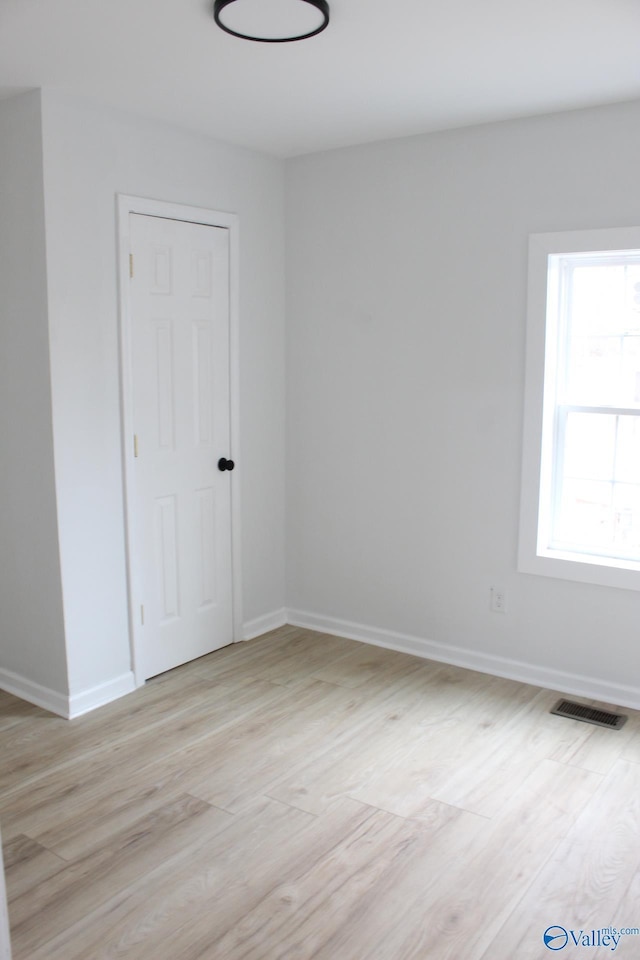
604 299
589 452
599 518
627 467
626 519
599 485
630 373
585 514
603 326
594 370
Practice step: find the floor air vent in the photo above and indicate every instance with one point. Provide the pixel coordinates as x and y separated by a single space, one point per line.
578 711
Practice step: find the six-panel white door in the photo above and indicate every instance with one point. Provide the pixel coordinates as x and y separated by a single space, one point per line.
181 519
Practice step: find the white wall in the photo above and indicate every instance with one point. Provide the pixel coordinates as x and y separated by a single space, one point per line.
90 155
406 269
406 265
32 649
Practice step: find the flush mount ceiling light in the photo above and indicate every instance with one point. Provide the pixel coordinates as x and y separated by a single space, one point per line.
272 21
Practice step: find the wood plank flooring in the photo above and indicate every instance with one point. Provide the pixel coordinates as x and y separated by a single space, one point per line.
304 796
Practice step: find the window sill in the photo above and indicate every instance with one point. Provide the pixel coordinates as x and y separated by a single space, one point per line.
582 568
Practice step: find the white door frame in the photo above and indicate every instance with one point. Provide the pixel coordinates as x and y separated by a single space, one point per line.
5 942
214 218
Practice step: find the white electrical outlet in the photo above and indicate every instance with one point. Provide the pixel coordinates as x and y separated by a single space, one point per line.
498 600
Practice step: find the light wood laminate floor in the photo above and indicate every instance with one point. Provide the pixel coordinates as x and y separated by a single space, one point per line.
307 796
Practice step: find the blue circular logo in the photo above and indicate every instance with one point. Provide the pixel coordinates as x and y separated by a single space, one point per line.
555 938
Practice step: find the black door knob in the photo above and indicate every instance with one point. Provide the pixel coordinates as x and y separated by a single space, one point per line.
224 464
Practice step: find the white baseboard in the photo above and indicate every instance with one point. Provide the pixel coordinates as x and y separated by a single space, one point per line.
34 693
94 697
62 704
575 684
270 621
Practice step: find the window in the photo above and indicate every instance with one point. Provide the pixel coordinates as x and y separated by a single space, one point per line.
580 513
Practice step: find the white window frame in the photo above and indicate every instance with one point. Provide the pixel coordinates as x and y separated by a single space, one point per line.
533 556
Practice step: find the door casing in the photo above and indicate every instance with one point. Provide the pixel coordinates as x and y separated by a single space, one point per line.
173 211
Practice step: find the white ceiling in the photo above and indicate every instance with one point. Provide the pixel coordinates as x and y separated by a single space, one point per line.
382 69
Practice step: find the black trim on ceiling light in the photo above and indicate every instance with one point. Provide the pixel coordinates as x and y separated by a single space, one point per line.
320 5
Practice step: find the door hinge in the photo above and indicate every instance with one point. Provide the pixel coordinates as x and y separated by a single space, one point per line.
135 445
142 614
131 266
